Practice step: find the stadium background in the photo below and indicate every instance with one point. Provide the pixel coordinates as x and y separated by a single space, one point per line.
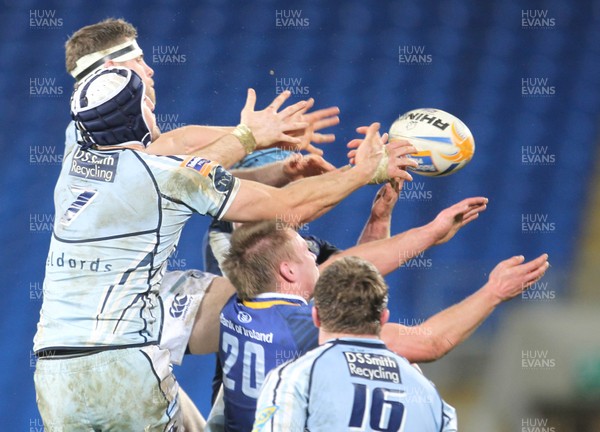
524 76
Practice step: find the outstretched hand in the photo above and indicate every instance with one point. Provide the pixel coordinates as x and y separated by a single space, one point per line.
270 125
513 276
370 152
397 151
316 120
447 223
298 166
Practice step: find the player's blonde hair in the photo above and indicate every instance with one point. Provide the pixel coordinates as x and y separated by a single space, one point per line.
257 249
350 297
96 37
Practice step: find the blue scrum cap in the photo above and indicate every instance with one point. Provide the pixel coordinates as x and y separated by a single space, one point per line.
107 108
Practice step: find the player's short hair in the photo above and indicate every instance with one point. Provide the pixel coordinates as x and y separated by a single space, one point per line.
96 37
350 296
257 249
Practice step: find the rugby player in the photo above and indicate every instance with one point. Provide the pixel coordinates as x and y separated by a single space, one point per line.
119 214
352 381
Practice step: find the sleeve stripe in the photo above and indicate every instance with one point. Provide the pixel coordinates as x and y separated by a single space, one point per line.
228 199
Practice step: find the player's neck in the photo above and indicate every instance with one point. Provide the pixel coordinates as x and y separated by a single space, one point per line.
284 287
324 336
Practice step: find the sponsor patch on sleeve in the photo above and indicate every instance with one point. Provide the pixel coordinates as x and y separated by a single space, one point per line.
203 166
222 179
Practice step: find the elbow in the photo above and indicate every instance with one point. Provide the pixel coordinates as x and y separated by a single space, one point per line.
438 347
436 350
428 348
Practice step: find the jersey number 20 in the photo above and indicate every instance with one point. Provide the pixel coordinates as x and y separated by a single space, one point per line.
253 364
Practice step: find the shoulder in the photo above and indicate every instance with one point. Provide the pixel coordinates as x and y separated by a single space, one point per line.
231 305
295 311
159 161
307 362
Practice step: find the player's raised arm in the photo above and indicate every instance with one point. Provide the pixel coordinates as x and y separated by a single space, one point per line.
378 226
390 253
187 139
289 128
308 198
204 338
278 174
257 130
449 328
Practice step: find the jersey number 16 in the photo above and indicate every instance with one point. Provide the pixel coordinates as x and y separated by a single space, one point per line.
379 406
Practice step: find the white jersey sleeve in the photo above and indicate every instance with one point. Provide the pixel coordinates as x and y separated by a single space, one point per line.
182 293
200 184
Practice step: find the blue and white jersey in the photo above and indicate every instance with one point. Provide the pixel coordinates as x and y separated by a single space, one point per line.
118 216
351 384
257 336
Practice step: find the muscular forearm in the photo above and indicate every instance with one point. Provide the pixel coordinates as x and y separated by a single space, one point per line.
208 142
390 253
187 139
375 229
442 332
298 202
311 197
271 174
204 338
378 226
226 151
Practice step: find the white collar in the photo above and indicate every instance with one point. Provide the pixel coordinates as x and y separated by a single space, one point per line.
281 296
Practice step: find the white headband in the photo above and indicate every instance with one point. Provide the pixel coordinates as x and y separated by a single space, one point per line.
90 62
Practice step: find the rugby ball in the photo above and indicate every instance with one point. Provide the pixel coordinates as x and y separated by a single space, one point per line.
444 144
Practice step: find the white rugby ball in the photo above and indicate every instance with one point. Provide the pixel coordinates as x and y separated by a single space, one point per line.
444 143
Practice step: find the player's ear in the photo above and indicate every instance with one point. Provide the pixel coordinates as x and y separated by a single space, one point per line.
315 317
109 63
287 271
385 316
